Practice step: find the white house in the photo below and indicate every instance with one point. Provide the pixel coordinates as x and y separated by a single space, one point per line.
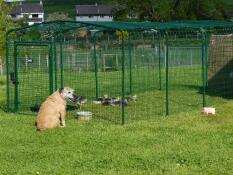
33 12
94 12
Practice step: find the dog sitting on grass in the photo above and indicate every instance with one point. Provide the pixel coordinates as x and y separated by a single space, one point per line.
52 112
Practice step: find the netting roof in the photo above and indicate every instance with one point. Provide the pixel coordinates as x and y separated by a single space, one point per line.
56 26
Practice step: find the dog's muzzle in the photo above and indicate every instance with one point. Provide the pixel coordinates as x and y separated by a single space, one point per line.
74 99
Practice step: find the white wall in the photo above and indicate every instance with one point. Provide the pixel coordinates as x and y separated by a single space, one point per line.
40 15
30 23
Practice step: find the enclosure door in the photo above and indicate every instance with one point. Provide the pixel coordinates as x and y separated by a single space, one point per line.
33 75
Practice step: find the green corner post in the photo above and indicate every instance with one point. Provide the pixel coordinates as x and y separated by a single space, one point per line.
203 59
167 59
206 62
130 63
16 79
50 68
96 67
55 59
123 79
61 60
7 72
159 53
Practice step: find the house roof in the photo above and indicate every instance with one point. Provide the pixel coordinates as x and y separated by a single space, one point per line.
94 10
28 8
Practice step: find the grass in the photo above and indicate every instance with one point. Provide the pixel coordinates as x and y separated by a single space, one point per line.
184 143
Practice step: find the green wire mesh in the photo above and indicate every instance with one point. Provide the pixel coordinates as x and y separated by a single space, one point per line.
153 69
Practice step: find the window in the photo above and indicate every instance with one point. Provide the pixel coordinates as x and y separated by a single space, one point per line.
35 15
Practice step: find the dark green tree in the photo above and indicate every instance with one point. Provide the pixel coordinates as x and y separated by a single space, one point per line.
198 9
165 10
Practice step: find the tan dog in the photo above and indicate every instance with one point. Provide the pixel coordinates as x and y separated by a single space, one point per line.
53 111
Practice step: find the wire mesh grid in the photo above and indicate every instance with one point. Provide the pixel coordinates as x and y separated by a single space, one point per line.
184 70
125 74
33 76
220 66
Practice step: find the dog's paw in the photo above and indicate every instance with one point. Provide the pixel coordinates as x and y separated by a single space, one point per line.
62 124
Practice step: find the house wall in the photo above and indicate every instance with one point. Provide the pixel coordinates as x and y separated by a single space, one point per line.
30 23
94 18
40 15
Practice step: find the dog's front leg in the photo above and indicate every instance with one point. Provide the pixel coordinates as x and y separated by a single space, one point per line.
62 119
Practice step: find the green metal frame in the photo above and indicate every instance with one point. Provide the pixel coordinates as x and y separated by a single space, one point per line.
61 60
56 29
123 78
16 104
159 53
33 43
96 64
55 59
204 60
7 73
167 73
130 63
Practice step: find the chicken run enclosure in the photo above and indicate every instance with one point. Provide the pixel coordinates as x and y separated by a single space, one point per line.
153 69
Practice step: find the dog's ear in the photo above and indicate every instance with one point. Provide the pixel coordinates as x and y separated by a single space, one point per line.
61 90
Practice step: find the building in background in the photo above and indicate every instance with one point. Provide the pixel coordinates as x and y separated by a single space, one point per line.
32 12
94 12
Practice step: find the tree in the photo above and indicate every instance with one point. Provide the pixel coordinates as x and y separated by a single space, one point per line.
165 10
198 9
6 23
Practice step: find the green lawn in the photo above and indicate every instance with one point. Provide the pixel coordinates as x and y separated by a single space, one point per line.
185 143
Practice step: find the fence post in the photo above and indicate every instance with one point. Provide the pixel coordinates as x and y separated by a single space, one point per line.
206 61
7 72
96 68
16 78
55 59
61 59
159 52
50 68
203 59
123 79
130 64
166 60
